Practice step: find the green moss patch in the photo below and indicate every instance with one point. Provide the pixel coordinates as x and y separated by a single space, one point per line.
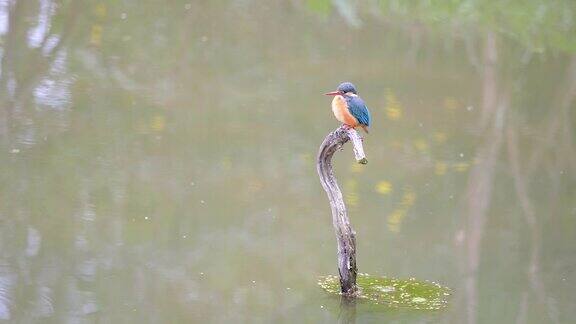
394 293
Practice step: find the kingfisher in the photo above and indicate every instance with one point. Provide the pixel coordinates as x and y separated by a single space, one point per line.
348 108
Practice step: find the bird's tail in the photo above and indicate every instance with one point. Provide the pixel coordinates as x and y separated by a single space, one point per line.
365 128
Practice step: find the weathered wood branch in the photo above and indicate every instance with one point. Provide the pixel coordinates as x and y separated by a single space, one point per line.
345 235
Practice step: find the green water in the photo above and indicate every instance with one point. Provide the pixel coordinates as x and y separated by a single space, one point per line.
157 161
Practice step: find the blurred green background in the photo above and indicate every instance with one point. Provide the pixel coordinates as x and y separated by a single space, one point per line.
157 159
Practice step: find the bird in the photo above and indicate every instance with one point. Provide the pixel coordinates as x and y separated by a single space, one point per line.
349 108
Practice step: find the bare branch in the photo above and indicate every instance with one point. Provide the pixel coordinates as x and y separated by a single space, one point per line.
345 235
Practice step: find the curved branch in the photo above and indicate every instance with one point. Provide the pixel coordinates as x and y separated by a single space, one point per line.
345 235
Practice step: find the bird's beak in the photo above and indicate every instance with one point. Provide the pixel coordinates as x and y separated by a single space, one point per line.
333 93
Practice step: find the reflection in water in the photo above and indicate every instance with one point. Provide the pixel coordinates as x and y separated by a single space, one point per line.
481 180
38 34
6 291
347 310
157 159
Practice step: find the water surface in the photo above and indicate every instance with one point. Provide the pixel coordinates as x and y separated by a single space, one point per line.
158 161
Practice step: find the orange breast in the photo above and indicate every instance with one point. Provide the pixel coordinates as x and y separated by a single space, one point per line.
340 110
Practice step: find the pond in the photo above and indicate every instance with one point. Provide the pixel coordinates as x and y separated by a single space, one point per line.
158 160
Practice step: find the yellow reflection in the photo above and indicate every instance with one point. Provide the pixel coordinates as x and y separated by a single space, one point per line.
101 10
450 103
440 168
393 107
397 216
393 113
384 187
461 167
440 137
395 220
421 145
408 198
356 167
96 35
226 163
158 123
253 186
351 192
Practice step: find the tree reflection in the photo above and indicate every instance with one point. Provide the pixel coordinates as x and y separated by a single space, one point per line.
41 76
481 181
501 128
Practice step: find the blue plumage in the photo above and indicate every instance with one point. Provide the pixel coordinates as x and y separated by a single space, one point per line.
358 109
